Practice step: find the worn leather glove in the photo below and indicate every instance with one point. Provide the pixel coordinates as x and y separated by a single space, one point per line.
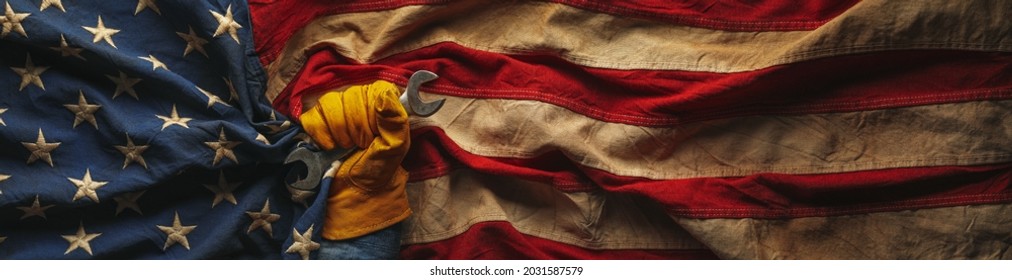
367 193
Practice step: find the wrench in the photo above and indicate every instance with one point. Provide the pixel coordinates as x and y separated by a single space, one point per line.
412 101
317 161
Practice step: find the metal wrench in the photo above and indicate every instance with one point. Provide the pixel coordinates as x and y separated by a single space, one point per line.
317 161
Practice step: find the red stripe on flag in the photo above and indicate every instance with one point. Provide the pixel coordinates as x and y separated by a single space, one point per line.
837 84
762 195
499 240
768 15
277 21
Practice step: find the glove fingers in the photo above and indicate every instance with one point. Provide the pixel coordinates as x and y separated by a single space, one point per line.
367 193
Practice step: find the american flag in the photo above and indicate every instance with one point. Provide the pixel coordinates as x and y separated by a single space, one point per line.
139 130
681 129
572 129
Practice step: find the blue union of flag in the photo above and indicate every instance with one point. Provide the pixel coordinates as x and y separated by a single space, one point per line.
138 129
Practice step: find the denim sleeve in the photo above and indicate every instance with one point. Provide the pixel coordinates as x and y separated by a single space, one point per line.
381 245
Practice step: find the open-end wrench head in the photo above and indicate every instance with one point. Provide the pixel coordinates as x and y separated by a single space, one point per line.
313 168
415 104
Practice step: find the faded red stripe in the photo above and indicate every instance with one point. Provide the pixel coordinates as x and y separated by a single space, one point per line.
657 98
274 21
767 15
500 241
763 195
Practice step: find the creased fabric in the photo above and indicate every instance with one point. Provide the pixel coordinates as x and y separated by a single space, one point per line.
143 134
653 129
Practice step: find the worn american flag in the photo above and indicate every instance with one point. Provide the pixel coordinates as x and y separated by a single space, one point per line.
139 130
681 129
572 129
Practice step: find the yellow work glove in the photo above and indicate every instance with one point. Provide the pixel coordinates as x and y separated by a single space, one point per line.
367 194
